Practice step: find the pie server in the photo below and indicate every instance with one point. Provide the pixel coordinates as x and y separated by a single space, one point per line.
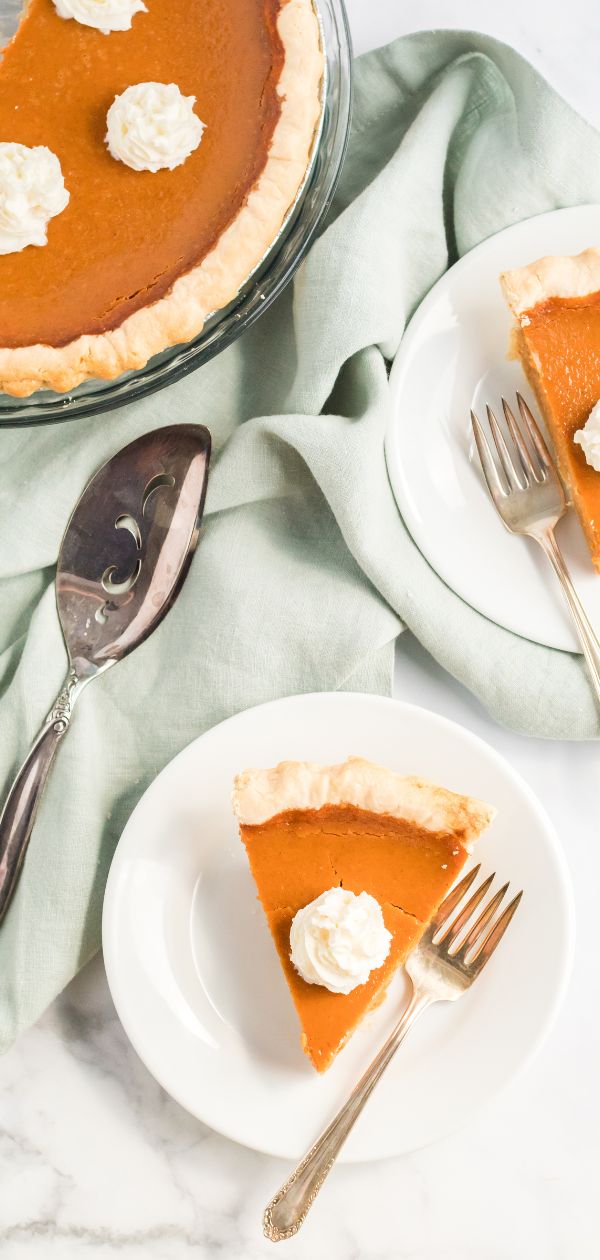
123 558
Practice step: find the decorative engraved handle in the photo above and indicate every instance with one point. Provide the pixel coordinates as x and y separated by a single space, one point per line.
289 1208
18 815
585 631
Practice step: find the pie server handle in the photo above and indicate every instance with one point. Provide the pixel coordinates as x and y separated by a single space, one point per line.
18 815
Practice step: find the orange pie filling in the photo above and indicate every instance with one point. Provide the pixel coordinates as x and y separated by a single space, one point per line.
127 235
298 855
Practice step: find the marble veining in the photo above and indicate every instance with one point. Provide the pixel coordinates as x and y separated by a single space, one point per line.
96 1161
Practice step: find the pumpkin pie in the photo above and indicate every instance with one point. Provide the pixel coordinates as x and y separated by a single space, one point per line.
310 828
138 259
556 306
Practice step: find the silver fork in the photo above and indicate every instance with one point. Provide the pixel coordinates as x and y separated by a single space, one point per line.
529 498
440 971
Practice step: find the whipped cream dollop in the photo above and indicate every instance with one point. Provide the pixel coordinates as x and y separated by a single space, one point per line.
152 127
103 15
338 939
588 438
32 191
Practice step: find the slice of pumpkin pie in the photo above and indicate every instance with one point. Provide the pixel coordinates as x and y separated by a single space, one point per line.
556 335
350 864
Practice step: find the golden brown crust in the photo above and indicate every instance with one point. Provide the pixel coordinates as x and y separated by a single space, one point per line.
551 277
262 794
182 313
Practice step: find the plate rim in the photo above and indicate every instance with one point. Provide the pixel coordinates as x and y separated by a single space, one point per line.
110 918
391 437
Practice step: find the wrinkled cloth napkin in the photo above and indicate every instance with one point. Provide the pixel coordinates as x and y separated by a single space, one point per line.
305 574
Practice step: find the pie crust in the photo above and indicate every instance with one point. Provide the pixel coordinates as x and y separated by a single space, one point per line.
551 277
262 794
181 313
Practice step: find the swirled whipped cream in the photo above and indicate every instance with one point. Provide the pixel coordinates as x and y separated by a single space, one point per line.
338 939
152 127
32 191
588 438
103 15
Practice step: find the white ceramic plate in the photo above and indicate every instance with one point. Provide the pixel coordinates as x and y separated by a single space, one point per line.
196 981
452 358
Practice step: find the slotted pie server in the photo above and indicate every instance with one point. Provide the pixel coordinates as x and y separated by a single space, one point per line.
122 561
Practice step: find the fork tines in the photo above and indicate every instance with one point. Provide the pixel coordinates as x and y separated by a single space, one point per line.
477 947
531 462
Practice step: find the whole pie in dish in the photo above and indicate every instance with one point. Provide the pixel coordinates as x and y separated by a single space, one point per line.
556 305
139 258
311 830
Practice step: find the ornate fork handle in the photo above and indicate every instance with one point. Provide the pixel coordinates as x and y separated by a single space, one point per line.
586 634
288 1209
18 815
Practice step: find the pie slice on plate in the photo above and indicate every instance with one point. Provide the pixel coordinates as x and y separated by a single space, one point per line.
311 830
556 335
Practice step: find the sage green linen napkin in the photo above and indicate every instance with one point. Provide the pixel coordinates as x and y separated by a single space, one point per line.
305 574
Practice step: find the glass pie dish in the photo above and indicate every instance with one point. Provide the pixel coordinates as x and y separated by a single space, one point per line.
265 283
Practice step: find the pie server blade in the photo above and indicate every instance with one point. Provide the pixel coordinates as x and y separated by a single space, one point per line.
122 561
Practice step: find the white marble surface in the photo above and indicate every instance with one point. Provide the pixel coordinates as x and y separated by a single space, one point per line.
95 1160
